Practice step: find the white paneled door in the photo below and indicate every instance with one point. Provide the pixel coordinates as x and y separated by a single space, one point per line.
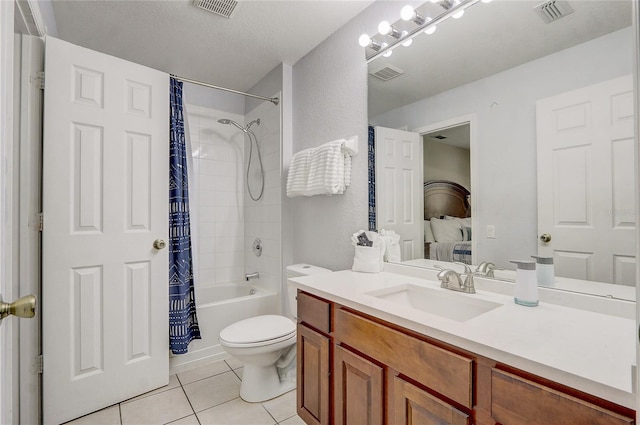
586 189
399 193
105 202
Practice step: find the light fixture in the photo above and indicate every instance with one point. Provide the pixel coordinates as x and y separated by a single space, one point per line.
404 34
408 41
366 41
408 13
385 28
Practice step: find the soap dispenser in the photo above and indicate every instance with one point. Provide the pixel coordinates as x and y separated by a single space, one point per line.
526 289
545 271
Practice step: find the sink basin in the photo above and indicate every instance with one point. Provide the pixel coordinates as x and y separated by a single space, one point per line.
460 307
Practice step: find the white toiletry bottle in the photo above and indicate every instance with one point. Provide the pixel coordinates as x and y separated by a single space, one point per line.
545 270
526 290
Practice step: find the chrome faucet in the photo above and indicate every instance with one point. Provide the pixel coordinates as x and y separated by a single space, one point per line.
254 275
453 280
486 268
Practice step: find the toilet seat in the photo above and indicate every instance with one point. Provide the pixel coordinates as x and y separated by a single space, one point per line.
258 331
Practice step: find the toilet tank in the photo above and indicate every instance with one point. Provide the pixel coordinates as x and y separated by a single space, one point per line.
297 270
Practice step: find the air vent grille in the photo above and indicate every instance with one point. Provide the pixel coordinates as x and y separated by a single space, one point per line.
219 7
553 10
387 73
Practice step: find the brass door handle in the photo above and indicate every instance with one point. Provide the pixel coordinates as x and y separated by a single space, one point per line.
159 244
22 307
545 237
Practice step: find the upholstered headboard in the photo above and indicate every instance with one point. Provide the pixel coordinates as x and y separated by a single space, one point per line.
444 197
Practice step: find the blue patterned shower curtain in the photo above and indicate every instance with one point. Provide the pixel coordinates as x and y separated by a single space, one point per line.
183 323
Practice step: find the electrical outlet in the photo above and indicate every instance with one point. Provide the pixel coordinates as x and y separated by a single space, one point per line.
491 231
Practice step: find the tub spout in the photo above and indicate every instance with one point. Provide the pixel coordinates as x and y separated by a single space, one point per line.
254 275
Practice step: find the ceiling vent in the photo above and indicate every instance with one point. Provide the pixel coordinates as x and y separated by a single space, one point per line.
553 10
219 7
388 72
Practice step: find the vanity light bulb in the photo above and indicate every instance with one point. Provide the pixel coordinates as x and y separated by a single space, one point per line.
384 28
458 14
364 40
407 13
387 53
431 29
408 42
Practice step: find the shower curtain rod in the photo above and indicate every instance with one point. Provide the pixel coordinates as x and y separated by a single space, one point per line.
273 100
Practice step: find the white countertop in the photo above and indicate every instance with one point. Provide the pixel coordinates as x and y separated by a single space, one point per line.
590 351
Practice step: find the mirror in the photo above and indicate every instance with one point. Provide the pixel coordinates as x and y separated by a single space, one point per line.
489 69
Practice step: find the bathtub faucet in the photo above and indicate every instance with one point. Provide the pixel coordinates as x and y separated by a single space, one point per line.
254 275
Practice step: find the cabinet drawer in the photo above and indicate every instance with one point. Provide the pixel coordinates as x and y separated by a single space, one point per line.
445 372
314 312
515 400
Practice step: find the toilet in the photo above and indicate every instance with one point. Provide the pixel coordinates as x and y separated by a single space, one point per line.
266 346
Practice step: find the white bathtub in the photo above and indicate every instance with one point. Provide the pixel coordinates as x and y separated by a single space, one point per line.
218 306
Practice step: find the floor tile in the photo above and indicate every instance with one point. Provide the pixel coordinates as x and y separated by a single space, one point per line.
239 371
282 407
234 363
212 391
173 383
108 416
156 409
202 372
295 420
236 412
189 420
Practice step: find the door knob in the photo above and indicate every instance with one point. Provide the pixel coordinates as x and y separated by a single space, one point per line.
545 237
22 307
159 244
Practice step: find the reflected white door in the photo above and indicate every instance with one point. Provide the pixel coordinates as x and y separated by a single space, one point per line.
399 193
586 189
105 287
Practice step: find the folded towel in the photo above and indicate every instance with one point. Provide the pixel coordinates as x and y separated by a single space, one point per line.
391 241
298 173
323 170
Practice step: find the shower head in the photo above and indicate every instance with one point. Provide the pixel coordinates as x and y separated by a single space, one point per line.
228 121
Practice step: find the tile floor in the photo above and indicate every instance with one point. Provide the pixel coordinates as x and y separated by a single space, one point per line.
208 395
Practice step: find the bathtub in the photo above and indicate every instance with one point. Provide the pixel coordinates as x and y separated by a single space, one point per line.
218 306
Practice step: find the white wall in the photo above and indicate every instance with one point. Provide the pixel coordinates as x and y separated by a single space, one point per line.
330 102
506 147
445 162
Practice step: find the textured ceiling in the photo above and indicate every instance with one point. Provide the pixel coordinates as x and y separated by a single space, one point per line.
489 38
176 37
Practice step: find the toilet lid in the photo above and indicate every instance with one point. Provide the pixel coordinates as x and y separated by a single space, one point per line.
258 329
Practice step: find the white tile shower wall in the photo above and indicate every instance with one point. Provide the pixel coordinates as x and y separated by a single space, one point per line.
263 217
218 204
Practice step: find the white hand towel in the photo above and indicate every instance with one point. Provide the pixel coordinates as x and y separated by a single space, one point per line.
326 170
298 173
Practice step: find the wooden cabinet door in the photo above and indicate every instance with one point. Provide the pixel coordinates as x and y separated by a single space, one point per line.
413 406
358 389
519 401
313 376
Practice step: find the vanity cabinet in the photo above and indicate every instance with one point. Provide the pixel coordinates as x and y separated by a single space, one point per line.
313 360
357 369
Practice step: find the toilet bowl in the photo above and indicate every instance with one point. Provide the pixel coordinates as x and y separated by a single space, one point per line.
266 346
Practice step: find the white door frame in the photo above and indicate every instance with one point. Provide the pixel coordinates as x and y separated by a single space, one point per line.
9 412
636 83
472 120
